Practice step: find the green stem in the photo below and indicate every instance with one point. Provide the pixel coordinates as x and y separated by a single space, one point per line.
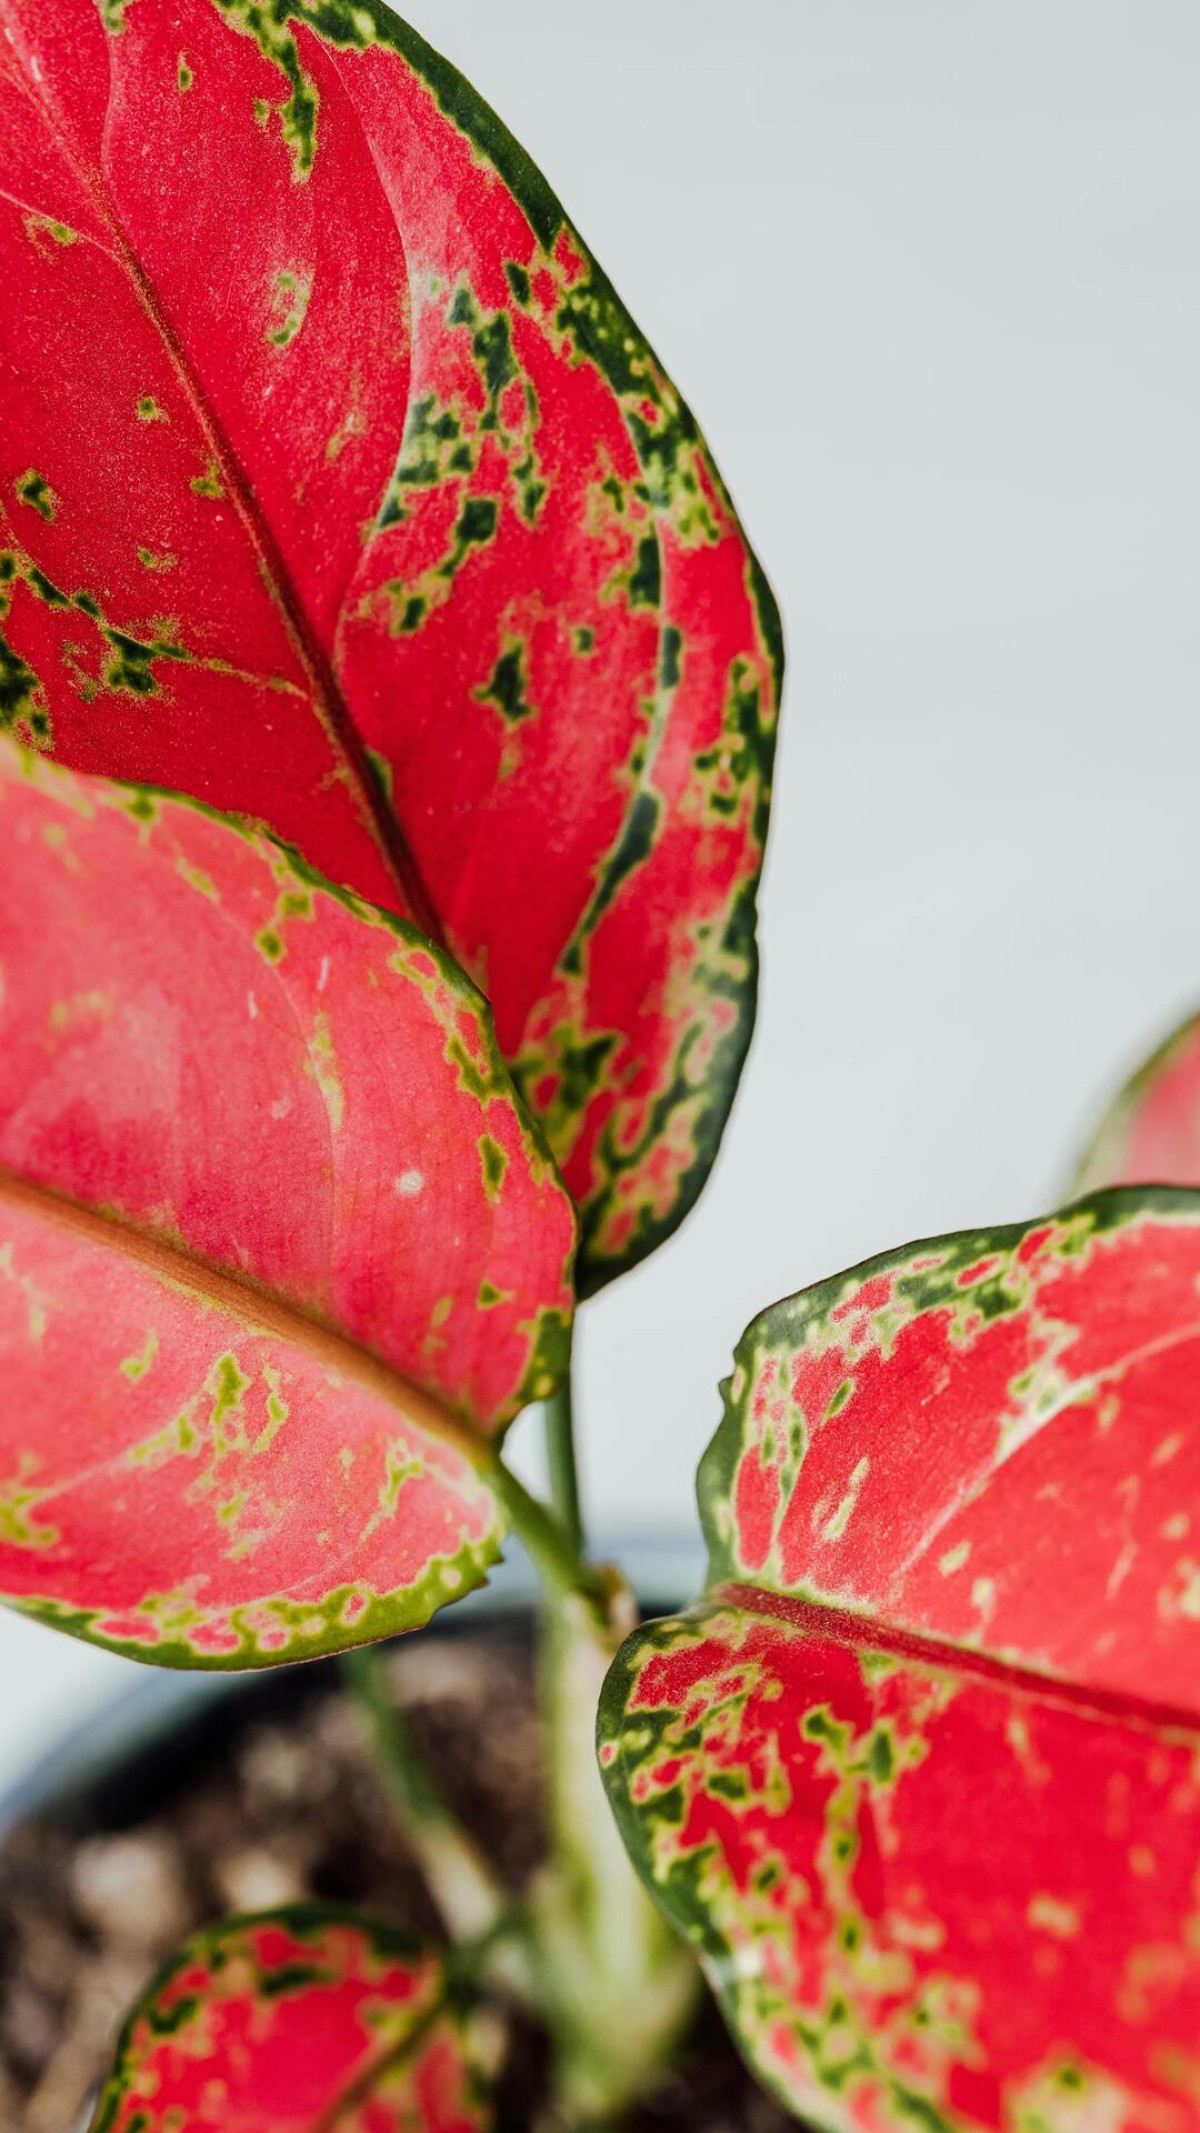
550 1546
470 1899
616 1987
558 1420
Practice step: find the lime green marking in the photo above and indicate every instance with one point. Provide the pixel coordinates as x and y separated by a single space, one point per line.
178 1438
227 1386
322 1066
135 1366
33 489
130 661
881 1756
278 1411
148 410
197 879
268 27
401 1464
836 1526
209 483
17 1500
150 561
495 1163
262 111
44 226
290 903
290 292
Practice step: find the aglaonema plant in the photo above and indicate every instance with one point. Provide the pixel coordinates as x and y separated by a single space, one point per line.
390 695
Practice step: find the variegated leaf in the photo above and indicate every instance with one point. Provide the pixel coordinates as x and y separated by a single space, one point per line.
325 439
279 1252
1151 1135
306 2020
921 1777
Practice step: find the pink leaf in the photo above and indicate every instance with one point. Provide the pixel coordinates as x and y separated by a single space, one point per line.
920 1777
279 1252
298 2021
324 441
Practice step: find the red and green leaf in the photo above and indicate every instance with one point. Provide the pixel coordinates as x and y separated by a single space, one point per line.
928 1895
1152 1132
886 1435
921 1777
280 1254
306 2020
392 479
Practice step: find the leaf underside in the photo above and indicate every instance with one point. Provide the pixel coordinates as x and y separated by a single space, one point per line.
385 526
305 2020
921 1776
279 1252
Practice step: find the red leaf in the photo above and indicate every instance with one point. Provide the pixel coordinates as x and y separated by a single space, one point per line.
921 1778
278 1250
324 430
298 2021
927 1895
1152 1132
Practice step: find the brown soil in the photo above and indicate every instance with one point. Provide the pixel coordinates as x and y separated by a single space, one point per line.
270 1797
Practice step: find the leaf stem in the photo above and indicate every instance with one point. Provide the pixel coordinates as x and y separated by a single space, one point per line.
558 1422
552 1549
470 1899
615 1986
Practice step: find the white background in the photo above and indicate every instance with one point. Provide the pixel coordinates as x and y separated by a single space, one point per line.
928 275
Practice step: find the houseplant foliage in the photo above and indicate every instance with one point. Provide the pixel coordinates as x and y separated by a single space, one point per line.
918 1775
264 1317
315 2017
1152 1129
390 696
358 452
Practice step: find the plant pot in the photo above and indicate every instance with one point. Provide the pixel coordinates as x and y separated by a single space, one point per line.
195 1795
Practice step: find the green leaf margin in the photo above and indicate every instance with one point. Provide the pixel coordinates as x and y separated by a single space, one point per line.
789 1323
609 336
390 1942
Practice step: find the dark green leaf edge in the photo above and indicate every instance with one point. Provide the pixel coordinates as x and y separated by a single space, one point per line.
316 1629
549 1362
680 1897
608 335
389 1942
789 1322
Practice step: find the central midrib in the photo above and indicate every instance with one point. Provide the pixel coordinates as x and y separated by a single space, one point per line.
860 1631
260 1310
328 701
